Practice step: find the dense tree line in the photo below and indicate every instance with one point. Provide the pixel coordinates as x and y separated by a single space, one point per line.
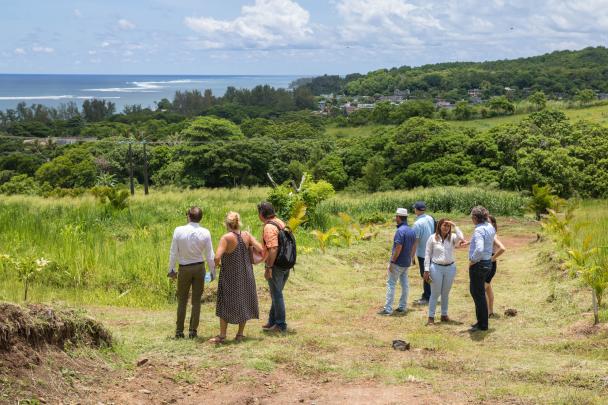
545 148
98 118
198 139
560 73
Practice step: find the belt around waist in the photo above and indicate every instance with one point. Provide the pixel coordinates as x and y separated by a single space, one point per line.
439 264
485 261
191 264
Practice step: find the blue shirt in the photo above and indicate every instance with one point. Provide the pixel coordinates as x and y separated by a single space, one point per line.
482 242
405 237
424 227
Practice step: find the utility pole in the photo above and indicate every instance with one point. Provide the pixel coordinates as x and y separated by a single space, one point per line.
130 154
145 169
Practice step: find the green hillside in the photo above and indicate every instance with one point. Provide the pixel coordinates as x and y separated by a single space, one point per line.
558 74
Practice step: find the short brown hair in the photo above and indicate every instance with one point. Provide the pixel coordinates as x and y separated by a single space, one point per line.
195 214
480 214
266 210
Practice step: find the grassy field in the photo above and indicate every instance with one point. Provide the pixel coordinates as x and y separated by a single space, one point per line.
101 256
337 349
597 114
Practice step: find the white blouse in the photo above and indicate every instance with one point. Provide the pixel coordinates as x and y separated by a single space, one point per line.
441 252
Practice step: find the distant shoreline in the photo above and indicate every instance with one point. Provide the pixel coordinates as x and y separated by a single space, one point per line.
52 89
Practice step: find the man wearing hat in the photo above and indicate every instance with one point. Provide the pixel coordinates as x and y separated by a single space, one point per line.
403 244
424 227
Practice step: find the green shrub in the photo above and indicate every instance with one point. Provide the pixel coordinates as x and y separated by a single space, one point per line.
542 201
117 198
284 198
372 218
20 184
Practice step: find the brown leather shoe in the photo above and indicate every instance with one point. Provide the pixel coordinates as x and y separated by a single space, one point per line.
431 321
445 318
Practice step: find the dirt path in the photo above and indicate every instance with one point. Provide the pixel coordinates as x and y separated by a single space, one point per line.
154 384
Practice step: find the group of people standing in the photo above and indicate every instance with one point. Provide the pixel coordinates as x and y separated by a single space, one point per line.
237 301
432 244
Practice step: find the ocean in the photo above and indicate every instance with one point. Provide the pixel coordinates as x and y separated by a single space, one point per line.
52 90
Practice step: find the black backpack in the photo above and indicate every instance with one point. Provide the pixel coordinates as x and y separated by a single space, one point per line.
286 254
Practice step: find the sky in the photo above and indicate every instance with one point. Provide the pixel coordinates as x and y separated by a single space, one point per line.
293 37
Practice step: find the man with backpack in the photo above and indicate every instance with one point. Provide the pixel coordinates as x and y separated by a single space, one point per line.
280 255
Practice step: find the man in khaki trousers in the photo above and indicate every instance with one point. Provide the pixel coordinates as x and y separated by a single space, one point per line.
190 244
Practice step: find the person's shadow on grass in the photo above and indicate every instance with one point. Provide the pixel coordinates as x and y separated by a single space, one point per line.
479 335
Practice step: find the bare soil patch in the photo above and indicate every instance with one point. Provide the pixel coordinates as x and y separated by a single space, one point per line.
156 383
586 328
33 360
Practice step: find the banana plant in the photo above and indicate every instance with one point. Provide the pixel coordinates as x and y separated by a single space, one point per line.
345 230
298 216
584 264
558 228
364 232
324 238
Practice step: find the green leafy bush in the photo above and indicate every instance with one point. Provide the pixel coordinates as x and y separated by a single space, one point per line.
542 201
285 199
116 197
20 184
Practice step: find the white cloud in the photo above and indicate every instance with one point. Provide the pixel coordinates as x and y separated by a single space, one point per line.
125 24
393 22
77 13
444 30
42 49
577 15
266 24
105 44
92 52
19 51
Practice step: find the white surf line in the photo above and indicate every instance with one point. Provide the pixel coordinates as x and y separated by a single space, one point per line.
62 97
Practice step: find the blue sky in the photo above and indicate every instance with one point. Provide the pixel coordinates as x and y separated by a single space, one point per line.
285 36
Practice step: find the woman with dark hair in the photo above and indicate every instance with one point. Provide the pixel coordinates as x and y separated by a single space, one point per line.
439 265
498 249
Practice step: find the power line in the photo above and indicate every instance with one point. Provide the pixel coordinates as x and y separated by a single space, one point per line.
169 143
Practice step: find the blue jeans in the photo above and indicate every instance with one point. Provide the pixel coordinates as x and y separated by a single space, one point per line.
276 284
396 273
443 278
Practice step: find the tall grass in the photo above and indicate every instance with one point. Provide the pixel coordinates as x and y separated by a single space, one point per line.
103 256
592 221
108 256
440 199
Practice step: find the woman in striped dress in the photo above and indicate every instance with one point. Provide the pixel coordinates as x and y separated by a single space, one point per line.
237 300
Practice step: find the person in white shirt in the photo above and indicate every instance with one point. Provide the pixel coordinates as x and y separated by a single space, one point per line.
439 265
190 244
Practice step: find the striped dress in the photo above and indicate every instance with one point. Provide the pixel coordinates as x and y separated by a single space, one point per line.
237 299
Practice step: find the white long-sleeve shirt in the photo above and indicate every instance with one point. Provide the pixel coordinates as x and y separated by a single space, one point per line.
441 252
191 244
